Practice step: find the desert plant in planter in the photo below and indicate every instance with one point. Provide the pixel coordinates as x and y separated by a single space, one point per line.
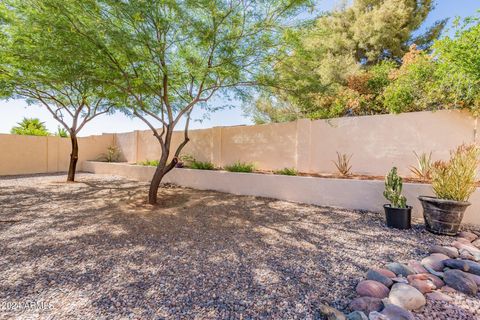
397 213
453 182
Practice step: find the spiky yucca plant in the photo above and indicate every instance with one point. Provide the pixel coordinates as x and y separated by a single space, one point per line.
423 170
343 164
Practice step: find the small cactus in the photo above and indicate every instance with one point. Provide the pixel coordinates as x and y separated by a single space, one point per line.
393 189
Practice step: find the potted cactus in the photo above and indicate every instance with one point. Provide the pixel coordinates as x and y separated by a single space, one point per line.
397 213
453 182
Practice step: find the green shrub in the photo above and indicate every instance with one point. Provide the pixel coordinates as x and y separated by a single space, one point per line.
189 161
201 165
240 167
150 163
112 155
287 172
455 179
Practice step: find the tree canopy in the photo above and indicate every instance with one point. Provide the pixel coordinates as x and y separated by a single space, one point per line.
30 127
163 58
44 62
356 42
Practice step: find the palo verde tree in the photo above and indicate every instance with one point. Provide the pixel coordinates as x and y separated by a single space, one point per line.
42 61
165 58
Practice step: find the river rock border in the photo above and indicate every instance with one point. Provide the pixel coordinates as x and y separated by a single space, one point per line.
399 290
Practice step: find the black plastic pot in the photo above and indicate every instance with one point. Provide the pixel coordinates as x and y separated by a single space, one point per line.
443 216
398 218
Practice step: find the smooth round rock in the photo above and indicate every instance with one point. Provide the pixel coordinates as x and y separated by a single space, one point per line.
377 316
460 281
475 278
366 304
438 296
400 269
416 266
461 240
400 280
436 281
465 255
468 235
394 312
470 250
377 276
424 286
406 296
357 315
435 261
451 252
476 243
370 288
385 272
464 265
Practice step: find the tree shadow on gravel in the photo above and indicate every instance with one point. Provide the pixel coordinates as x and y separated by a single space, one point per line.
97 250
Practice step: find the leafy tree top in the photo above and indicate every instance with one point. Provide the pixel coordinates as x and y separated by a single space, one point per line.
30 127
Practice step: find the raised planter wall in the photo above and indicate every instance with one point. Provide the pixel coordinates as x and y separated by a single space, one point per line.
344 193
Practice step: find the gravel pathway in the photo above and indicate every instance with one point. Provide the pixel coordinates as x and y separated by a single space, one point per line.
95 250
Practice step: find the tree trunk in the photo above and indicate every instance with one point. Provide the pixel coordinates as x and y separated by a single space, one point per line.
155 184
160 172
73 158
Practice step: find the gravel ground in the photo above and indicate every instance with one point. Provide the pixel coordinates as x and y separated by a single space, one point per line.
95 250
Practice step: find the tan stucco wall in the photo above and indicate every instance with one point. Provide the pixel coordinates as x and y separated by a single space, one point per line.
376 142
28 154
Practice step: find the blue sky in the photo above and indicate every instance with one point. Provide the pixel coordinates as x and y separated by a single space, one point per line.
14 110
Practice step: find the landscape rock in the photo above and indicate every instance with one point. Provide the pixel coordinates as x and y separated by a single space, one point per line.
468 235
461 240
366 304
435 261
370 288
416 266
424 286
448 289
406 296
476 243
400 269
439 296
470 249
459 281
331 313
464 265
474 278
435 280
394 312
377 276
451 252
400 280
465 255
357 315
377 316
385 272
